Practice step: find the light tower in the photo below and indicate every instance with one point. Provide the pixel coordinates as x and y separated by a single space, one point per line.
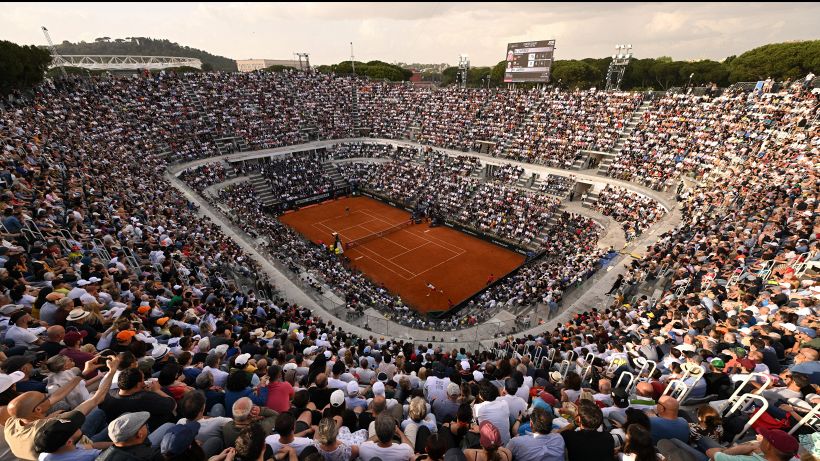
306 65
55 56
463 68
615 73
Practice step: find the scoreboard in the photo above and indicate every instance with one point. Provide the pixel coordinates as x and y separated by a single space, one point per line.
529 61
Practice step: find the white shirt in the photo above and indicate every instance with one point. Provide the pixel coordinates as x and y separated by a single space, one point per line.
76 292
298 444
498 413
436 388
220 377
209 427
516 404
395 452
23 336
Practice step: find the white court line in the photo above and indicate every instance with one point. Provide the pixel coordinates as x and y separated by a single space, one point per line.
408 251
375 260
445 243
433 267
331 230
355 225
345 216
427 238
385 238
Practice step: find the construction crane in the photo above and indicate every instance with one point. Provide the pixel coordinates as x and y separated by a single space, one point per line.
55 56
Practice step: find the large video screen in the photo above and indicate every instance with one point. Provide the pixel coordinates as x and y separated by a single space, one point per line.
529 61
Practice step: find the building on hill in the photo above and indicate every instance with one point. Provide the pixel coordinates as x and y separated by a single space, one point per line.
250 65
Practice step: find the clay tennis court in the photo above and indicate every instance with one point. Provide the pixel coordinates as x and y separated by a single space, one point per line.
406 260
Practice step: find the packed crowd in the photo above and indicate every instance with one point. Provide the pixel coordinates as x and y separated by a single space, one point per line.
635 212
203 176
296 177
165 359
689 134
271 109
560 124
558 185
536 126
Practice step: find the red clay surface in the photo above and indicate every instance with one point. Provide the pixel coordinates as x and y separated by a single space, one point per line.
407 260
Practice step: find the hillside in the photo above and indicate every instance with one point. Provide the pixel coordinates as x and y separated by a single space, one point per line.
147 47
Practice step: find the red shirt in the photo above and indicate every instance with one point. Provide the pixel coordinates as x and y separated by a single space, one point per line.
279 395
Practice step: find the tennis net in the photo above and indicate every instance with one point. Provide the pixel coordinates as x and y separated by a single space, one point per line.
382 233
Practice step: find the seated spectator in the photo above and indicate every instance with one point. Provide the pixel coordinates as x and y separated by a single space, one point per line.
586 442
667 424
135 395
542 444
246 414
129 434
384 447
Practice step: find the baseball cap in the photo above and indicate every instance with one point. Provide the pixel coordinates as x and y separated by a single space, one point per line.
179 438
718 363
382 377
127 425
6 380
780 440
620 397
72 337
378 388
125 335
162 321
747 364
242 359
453 389
337 398
57 431
16 362
352 388
548 398
490 438
478 376
465 365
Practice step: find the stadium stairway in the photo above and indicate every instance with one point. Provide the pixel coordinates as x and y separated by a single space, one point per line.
630 126
263 190
591 199
580 161
354 109
332 171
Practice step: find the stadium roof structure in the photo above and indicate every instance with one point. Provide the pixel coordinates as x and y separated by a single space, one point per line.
123 62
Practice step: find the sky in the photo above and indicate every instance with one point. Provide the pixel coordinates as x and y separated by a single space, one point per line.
423 32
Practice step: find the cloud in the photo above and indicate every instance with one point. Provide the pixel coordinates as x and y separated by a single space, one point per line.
423 32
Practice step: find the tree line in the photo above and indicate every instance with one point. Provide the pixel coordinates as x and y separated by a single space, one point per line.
780 61
21 67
